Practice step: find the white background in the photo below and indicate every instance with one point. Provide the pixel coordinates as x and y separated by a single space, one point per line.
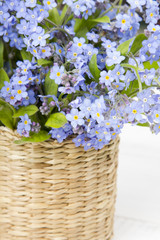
138 198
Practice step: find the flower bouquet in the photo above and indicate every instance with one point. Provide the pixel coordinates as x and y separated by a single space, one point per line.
74 71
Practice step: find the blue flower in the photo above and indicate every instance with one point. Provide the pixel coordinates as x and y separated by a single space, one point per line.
23 27
75 117
79 140
92 36
137 3
123 22
106 77
39 38
134 111
21 10
146 99
30 99
19 92
6 90
24 126
114 58
30 3
57 73
49 4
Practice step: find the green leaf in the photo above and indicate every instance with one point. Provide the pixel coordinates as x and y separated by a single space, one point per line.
26 55
143 124
50 86
63 14
137 44
34 137
30 110
124 47
126 65
148 65
56 120
6 114
94 68
54 16
104 19
43 62
3 77
1 53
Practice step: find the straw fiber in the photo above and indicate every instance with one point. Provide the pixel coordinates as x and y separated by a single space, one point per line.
53 191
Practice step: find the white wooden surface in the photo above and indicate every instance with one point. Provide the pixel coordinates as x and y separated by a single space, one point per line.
138 199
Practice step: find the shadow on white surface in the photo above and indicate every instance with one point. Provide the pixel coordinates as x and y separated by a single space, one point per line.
138 200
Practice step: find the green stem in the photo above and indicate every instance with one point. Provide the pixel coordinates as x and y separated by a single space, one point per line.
60 29
109 9
120 4
139 80
49 21
157 81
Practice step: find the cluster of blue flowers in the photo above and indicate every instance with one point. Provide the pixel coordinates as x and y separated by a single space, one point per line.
82 66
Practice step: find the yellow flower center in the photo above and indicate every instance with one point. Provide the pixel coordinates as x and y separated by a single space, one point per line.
87 11
58 74
79 44
19 91
108 45
98 114
41 10
131 28
76 117
107 123
60 51
118 73
134 111
25 70
117 86
30 79
12 97
159 126
97 132
25 122
100 140
88 120
153 29
43 50
74 54
123 21
48 2
113 134
34 50
107 77
151 14
8 89
157 115
19 82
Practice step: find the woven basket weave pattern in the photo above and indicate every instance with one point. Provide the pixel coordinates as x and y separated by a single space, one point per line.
52 191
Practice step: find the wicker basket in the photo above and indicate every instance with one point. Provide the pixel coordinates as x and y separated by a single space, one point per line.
52 191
